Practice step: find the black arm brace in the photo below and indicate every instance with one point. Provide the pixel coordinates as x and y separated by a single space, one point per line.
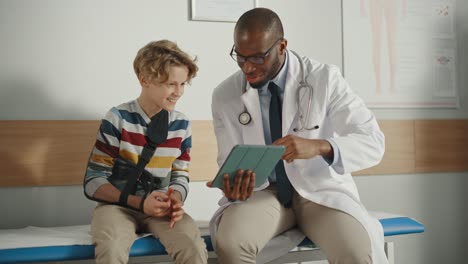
135 174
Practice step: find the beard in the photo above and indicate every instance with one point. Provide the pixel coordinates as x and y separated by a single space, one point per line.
259 84
274 70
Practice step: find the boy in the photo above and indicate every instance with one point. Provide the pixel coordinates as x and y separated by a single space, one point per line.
120 156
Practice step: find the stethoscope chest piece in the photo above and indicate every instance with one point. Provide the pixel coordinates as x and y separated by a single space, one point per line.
245 118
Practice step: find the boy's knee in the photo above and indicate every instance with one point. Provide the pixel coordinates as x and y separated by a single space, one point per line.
188 250
108 234
112 251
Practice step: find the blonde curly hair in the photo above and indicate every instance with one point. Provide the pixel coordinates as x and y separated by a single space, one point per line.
155 59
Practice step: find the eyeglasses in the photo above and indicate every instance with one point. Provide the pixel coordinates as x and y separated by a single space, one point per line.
255 59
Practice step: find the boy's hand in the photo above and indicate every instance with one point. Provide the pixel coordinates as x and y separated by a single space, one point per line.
157 204
177 212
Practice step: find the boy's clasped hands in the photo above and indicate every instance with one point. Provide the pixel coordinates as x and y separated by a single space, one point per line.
159 204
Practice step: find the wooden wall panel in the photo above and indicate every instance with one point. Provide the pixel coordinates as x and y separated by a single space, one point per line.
204 151
442 145
40 153
55 152
399 149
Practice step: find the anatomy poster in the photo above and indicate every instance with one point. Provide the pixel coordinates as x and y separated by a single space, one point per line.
401 53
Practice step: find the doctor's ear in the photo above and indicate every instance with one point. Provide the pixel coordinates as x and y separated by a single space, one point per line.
283 45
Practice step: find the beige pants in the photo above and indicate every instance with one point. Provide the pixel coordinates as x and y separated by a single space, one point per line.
114 228
246 227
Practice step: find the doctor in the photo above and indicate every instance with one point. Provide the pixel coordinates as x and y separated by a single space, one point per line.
279 98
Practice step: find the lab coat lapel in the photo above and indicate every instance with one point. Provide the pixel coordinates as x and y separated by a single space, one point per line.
252 133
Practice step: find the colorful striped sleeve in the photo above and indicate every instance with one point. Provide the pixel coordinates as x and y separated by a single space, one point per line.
101 159
180 167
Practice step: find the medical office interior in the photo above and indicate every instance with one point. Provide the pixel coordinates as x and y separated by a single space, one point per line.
72 60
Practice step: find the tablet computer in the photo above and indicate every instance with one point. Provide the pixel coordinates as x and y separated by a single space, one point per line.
260 159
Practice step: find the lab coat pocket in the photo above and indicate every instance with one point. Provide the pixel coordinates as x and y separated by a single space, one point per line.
308 126
310 174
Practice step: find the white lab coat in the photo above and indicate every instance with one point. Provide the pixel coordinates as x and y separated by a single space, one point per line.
341 116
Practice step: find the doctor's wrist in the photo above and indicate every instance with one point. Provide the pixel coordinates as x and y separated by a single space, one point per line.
326 150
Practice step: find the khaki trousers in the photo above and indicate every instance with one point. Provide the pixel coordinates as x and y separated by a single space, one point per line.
113 229
245 228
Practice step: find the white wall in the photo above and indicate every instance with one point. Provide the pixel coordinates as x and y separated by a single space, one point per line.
73 60
438 200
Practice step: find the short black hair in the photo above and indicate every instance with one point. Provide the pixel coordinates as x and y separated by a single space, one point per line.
260 20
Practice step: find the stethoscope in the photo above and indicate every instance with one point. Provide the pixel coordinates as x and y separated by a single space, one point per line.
304 87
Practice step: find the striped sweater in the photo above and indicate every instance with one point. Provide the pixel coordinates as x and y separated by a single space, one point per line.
125 128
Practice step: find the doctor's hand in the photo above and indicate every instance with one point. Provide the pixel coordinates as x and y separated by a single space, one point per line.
303 148
242 189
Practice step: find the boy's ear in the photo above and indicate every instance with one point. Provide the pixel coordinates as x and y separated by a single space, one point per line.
143 80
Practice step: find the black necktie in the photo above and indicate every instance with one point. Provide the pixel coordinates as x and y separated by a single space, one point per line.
284 188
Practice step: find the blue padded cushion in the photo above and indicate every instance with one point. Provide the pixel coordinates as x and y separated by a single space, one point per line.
391 227
400 226
148 246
